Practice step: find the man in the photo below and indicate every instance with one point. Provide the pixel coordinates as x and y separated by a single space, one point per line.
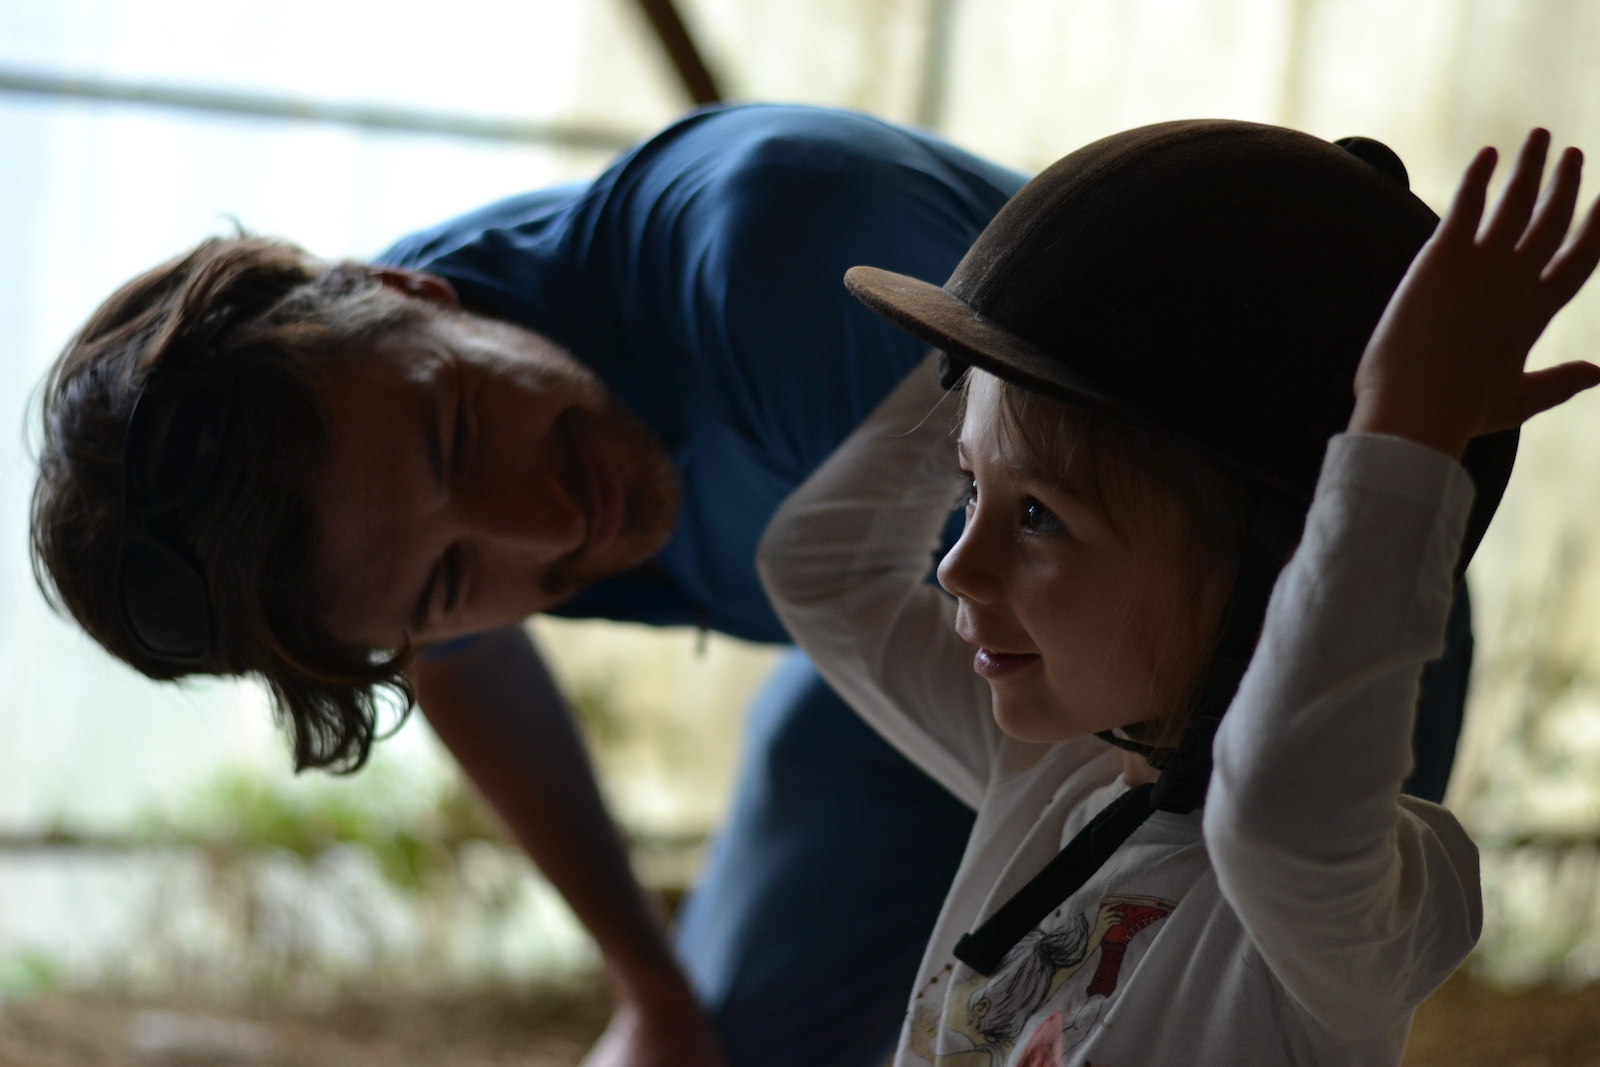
588 401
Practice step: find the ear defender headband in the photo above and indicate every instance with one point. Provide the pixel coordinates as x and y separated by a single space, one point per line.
1213 283
169 459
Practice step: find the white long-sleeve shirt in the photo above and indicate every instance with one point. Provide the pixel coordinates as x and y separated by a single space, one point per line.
1301 916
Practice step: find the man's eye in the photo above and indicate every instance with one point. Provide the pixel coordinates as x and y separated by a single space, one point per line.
1036 518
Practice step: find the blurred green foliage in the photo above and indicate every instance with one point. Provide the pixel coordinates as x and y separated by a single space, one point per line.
29 972
315 887
413 833
594 707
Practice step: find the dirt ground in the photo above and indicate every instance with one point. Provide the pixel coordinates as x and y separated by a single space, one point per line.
1464 1025
1467 1025
544 1030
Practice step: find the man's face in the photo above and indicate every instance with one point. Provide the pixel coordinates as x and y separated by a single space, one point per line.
475 474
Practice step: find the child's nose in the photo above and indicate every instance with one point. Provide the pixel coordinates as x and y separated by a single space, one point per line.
965 571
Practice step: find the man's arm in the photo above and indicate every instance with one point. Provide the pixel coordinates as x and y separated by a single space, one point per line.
497 709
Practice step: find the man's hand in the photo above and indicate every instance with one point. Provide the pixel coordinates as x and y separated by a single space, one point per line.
1445 363
659 1024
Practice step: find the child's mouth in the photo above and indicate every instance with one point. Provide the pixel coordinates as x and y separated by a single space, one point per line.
992 664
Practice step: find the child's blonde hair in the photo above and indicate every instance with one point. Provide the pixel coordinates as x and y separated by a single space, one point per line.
1182 513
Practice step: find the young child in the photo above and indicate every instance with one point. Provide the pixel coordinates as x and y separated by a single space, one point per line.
1165 327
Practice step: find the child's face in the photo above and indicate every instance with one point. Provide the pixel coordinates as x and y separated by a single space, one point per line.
1047 591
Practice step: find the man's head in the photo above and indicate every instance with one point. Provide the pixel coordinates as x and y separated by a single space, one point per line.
393 471
474 474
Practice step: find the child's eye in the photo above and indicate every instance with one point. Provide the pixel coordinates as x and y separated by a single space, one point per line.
1036 518
969 493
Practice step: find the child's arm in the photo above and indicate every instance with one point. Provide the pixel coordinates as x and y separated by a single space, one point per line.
1359 907
845 561
1360 903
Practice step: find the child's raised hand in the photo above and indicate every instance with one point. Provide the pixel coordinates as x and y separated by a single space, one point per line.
1445 362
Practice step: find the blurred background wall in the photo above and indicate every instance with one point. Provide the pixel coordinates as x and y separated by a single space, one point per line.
130 129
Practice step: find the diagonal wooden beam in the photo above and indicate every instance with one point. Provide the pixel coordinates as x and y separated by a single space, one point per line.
680 48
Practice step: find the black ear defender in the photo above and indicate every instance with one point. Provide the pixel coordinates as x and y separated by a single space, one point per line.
170 456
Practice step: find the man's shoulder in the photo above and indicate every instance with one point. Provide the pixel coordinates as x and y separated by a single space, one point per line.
755 140
424 246
713 164
722 167
810 154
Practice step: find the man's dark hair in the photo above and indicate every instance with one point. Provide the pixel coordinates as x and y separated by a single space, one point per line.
254 534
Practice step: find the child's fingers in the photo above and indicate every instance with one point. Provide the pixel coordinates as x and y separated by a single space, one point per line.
1510 215
1572 265
1460 222
1552 386
1553 214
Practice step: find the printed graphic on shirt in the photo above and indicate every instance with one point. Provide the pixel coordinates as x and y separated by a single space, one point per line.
1032 1012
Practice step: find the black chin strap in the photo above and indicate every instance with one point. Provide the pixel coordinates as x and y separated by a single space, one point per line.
1156 756
1275 523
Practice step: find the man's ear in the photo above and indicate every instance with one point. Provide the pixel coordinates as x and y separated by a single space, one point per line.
416 283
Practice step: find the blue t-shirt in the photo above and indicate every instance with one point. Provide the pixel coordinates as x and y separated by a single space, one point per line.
701 277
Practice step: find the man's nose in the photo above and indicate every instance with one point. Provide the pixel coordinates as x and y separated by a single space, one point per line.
535 514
